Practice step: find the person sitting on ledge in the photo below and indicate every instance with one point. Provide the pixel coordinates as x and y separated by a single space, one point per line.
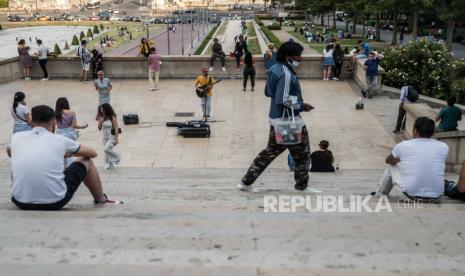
449 116
39 179
456 191
417 165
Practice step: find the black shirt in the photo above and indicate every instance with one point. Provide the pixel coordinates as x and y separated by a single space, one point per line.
322 161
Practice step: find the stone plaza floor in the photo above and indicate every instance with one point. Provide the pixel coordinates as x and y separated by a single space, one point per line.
182 215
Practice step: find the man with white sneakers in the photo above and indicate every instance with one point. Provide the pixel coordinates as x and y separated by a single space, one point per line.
282 86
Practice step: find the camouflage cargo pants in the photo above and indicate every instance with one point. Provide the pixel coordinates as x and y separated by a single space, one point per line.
300 153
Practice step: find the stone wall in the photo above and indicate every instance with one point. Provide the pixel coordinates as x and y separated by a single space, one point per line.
174 67
359 75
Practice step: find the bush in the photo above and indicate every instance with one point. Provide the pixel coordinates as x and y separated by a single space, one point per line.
96 30
205 41
271 36
89 33
458 86
101 27
75 40
259 22
274 26
81 36
427 66
57 50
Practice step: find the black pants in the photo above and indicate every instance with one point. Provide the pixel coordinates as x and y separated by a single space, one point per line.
338 70
238 58
213 58
300 153
249 72
43 65
400 119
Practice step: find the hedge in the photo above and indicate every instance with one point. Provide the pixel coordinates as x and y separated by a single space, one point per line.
57 50
425 65
96 30
274 27
206 40
271 36
75 40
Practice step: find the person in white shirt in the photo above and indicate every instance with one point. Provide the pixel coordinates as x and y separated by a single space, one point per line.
20 113
328 61
39 179
417 165
42 52
403 100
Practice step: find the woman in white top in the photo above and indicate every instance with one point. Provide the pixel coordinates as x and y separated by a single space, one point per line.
20 113
328 61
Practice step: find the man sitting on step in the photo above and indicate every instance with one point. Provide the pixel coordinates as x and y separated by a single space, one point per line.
417 165
39 178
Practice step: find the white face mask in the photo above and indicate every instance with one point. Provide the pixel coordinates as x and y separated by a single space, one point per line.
294 63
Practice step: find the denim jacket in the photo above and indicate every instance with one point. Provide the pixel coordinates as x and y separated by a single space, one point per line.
282 83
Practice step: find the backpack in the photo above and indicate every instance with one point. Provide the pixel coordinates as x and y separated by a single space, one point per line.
85 56
412 94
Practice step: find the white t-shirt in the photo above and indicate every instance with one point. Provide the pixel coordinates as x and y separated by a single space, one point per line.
403 94
328 53
43 52
37 164
422 165
20 116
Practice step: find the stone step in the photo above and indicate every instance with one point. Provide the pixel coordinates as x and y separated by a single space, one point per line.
193 221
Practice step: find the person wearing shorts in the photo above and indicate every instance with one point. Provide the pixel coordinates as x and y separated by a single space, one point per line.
39 178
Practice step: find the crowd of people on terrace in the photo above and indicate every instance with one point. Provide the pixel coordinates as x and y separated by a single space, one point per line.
45 140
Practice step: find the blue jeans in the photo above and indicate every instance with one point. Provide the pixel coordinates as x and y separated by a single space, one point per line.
21 127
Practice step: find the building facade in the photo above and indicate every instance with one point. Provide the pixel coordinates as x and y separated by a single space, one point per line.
37 5
163 5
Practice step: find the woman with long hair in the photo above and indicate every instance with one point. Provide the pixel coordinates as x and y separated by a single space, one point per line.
66 120
338 56
20 113
108 124
328 61
24 58
249 70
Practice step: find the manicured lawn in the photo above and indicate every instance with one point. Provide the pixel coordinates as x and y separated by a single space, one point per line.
254 46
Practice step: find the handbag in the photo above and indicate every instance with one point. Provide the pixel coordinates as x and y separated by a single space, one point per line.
130 119
113 132
288 130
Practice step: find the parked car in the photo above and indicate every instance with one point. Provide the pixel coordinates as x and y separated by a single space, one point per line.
93 18
114 18
126 18
104 15
13 18
110 10
136 19
156 21
116 11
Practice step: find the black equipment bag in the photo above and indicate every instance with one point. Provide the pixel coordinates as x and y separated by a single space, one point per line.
194 132
130 119
192 129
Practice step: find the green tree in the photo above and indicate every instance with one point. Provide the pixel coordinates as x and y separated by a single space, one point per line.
101 27
82 36
57 50
96 30
451 12
75 40
89 33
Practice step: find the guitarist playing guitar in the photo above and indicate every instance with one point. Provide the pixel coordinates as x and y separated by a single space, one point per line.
203 87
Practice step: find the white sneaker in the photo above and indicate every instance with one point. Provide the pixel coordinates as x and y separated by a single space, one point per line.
211 69
224 69
27 78
311 190
44 79
246 188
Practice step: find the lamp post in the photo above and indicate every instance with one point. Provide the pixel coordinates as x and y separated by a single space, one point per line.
182 33
192 30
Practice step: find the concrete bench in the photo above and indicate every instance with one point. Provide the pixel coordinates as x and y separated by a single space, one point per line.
414 111
456 142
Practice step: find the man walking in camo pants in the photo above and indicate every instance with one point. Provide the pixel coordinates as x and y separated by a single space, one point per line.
283 87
